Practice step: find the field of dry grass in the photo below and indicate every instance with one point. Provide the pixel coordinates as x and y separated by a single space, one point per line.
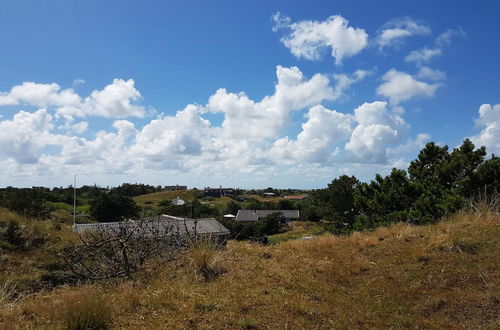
259 198
24 267
438 276
154 198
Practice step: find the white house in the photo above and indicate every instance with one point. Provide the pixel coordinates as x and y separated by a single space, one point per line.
177 201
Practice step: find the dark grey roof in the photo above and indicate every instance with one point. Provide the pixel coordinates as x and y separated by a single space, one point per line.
255 215
158 226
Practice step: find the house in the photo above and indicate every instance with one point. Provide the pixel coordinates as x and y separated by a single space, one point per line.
164 226
218 192
269 194
178 201
295 197
256 215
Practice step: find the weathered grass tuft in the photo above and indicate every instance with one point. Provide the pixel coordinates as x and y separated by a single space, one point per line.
484 205
204 259
7 292
89 310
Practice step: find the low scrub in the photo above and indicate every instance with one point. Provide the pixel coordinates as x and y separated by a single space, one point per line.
437 276
87 310
204 259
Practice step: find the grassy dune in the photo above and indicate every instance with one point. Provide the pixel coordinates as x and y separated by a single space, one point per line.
27 267
439 276
154 198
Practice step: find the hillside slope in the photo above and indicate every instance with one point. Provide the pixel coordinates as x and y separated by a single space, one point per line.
439 276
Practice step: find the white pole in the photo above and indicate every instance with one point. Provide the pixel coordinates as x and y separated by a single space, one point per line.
74 201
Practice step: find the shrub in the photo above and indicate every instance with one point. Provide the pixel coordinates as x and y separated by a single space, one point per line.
13 234
88 311
204 259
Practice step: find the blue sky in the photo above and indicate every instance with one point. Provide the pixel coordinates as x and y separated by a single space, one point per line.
245 94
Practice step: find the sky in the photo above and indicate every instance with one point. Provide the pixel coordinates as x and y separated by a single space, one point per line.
246 94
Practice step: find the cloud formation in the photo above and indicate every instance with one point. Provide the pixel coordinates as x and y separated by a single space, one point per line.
400 86
22 137
115 100
426 54
489 121
309 39
377 129
393 33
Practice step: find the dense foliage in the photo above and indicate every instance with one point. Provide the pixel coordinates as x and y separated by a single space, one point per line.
437 183
27 202
244 230
113 207
136 189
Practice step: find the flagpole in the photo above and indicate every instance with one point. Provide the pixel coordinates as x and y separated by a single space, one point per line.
74 201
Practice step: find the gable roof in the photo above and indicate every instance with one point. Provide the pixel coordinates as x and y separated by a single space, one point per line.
255 215
158 226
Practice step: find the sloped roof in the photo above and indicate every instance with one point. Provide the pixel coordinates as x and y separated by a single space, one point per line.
158 226
254 215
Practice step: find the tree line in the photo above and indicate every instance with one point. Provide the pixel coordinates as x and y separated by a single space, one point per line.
437 183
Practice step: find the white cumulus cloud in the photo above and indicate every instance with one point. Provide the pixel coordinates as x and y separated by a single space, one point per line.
116 100
41 95
308 39
377 129
246 118
22 137
319 139
489 121
400 86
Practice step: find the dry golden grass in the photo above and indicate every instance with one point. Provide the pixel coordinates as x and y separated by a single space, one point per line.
437 276
204 259
22 268
154 198
259 198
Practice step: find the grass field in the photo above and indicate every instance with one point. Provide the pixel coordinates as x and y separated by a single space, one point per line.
438 276
154 198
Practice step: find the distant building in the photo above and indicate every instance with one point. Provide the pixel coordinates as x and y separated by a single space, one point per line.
178 201
256 215
295 197
160 226
218 192
176 187
269 194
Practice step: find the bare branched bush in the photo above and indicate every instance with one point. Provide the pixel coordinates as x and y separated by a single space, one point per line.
121 249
